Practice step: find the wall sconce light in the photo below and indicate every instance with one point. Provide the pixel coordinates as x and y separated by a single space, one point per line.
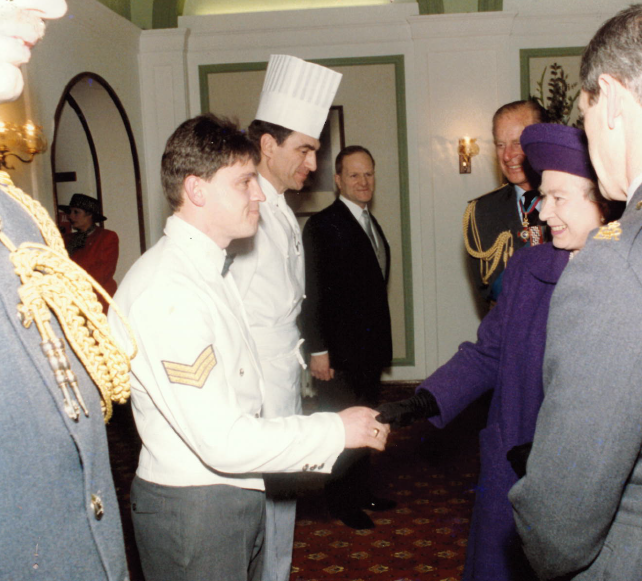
467 149
20 140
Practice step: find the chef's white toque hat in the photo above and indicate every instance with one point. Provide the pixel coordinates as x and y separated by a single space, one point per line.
297 94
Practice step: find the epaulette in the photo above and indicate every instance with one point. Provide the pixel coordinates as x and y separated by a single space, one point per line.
610 231
491 192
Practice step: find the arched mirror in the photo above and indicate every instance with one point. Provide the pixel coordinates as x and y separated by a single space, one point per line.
94 153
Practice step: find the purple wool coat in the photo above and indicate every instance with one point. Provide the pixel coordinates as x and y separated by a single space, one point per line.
507 359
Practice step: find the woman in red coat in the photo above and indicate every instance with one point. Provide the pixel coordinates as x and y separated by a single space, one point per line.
91 246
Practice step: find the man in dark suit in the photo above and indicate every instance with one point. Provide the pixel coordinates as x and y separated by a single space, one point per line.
579 508
346 319
507 218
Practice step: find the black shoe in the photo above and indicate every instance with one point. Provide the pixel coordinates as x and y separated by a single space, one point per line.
355 519
378 504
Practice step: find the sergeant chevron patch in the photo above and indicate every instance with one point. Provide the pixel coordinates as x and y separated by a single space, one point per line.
195 374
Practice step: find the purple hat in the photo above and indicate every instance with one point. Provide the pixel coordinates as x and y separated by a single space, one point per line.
557 147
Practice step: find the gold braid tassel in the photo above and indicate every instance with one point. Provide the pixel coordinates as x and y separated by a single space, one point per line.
51 281
488 259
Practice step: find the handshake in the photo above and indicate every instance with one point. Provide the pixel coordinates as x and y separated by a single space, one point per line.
404 412
370 428
423 405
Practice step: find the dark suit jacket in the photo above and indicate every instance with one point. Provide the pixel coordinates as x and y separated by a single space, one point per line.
495 212
346 307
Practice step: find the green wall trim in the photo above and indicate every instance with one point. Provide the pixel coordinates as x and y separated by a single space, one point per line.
431 6
165 14
205 71
526 54
404 192
122 7
490 5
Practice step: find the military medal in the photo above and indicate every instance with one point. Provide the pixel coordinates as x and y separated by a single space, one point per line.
534 234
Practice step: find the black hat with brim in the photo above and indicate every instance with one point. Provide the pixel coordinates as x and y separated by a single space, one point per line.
86 203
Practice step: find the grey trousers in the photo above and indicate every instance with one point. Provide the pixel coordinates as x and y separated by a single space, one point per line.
280 517
198 533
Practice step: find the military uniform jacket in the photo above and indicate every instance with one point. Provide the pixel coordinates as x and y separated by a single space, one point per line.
495 212
197 389
579 507
50 466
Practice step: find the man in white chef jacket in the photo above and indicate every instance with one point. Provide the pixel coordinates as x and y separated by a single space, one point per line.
269 269
197 387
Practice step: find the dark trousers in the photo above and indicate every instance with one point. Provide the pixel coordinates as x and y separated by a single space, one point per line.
348 487
198 533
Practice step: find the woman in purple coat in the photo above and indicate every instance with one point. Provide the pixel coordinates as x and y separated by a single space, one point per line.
507 357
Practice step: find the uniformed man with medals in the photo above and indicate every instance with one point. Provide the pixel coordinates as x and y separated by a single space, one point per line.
506 219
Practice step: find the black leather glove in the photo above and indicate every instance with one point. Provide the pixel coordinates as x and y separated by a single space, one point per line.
406 411
518 456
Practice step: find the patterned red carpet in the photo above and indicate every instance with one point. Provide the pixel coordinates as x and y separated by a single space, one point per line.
430 473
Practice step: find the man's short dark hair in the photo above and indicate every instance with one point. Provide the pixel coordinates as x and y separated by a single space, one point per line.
338 163
616 50
538 112
200 147
257 129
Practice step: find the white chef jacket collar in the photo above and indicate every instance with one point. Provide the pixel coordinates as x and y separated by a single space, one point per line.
356 209
271 195
208 255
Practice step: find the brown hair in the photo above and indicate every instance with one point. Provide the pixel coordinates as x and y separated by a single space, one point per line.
345 152
258 128
200 147
609 209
